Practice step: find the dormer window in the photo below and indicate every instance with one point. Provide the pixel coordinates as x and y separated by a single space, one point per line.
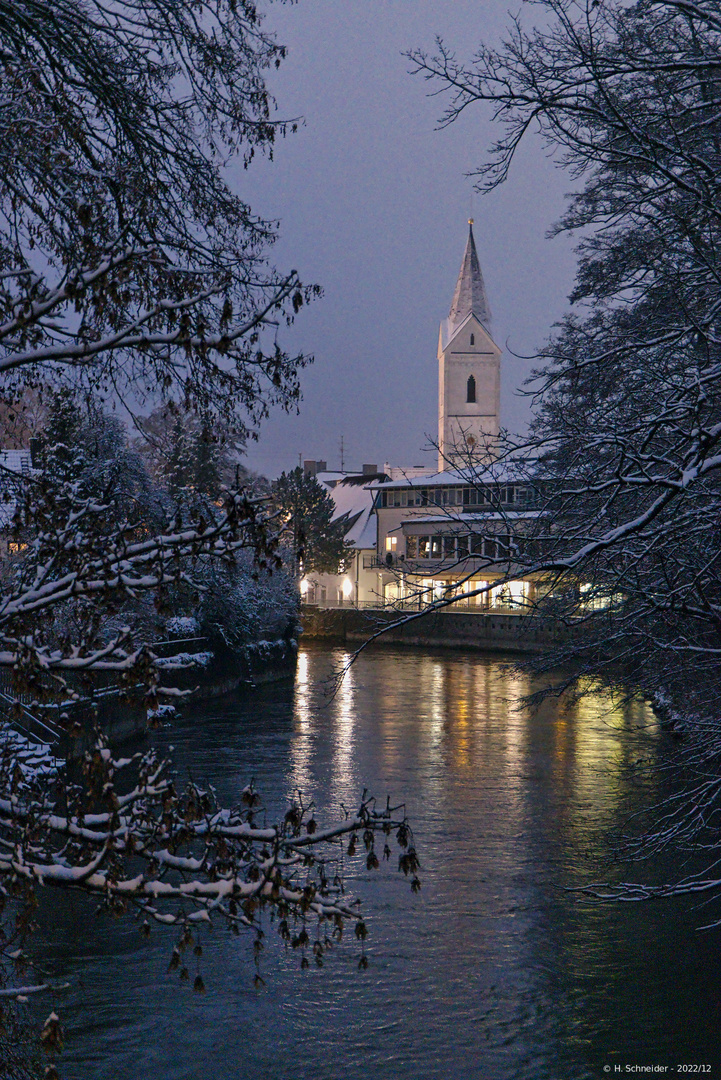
471 389
473 339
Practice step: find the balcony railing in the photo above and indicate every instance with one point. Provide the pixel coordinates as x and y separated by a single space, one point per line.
375 562
418 565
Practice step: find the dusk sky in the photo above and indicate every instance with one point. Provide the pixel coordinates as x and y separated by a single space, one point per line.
373 203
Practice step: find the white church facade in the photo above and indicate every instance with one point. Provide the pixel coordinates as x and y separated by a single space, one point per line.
469 369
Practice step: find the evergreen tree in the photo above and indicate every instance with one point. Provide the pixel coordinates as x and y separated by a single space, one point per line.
318 542
190 453
62 443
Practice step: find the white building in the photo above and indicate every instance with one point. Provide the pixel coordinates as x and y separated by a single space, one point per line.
453 533
469 369
14 465
360 584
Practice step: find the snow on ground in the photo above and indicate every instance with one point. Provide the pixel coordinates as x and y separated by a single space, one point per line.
182 626
184 660
34 759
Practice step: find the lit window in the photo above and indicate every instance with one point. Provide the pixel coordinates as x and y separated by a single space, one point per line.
471 389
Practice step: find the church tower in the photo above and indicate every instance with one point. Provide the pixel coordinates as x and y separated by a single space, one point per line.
469 370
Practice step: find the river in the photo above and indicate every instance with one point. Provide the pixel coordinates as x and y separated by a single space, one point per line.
494 971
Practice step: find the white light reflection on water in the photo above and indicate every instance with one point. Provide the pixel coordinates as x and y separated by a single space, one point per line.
300 773
322 751
344 779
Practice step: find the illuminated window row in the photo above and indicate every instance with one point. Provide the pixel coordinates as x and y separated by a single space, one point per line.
450 546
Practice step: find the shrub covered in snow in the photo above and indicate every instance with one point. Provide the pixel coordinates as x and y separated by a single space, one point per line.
182 626
240 605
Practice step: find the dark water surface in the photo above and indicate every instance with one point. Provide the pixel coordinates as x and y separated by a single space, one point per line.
492 972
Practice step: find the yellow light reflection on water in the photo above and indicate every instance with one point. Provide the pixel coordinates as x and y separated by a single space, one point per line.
460 721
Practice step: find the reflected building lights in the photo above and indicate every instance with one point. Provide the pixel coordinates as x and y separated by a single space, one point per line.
302 692
436 696
344 783
301 748
458 722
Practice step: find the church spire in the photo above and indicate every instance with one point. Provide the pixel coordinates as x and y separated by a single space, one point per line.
470 295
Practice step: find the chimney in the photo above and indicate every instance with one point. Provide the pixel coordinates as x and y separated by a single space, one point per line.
312 468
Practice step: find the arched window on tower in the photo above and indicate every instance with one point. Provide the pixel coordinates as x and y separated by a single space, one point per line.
471 389
473 339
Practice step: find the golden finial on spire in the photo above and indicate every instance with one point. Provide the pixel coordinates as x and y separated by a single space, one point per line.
470 221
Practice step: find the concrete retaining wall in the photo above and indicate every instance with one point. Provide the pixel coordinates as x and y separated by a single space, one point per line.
123 716
440 629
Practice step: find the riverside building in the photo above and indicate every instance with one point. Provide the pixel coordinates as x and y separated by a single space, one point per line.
420 537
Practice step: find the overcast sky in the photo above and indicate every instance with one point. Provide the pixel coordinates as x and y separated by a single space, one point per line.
373 203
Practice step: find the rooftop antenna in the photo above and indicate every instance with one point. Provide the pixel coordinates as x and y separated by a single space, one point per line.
342 455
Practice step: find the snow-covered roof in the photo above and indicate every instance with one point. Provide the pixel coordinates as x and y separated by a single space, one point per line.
330 478
11 461
453 478
355 503
18 461
404 472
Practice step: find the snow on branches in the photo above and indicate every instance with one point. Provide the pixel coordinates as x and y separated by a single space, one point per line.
131 835
76 551
625 446
124 255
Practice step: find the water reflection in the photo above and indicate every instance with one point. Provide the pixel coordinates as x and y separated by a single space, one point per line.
343 774
301 747
493 972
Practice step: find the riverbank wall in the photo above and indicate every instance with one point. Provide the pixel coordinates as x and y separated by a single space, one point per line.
203 673
223 672
439 629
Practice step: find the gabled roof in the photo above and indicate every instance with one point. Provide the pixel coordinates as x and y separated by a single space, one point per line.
354 505
470 295
449 330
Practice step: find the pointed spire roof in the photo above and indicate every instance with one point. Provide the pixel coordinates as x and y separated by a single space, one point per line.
470 295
